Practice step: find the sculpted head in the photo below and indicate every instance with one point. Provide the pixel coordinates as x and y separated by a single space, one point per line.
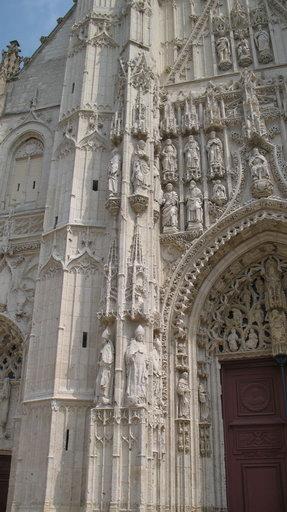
169 187
168 142
141 144
213 134
191 138
139 333
192 185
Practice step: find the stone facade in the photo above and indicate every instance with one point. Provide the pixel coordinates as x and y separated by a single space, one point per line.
143 229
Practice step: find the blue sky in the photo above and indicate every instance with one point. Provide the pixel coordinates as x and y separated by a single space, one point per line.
28 20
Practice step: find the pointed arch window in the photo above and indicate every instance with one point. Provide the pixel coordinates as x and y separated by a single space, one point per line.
25 177
10 352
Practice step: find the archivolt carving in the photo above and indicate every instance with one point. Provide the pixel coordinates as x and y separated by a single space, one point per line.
235 318
198 261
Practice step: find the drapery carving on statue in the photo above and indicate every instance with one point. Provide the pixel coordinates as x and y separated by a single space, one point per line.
104 382
260 173
276 304
192 160
212 115
136 361
157 370
238 318
114 173
169 162
17 291
254 124
183 396
140 169
215 157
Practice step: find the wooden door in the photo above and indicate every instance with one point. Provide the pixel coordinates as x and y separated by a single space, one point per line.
5 463
255 430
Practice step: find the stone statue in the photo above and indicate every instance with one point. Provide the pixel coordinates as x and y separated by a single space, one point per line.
156 367
192 159
252 340
183 395
169 161
158 193
215 156
114 170
278 325
136 367
219 196
223 52
233 340
189 117
169 124
243 51
262 42
274 293
203 399
254 123
5 391
261 183
194 207
170 209
105 370
212 110
140 169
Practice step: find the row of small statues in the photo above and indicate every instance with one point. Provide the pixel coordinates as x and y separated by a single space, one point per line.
136 363
141 164
262 43
194 205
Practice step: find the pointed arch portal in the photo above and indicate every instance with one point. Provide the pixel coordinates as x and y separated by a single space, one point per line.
227 319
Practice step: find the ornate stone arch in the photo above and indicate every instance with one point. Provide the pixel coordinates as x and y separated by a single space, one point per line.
29 129
236 247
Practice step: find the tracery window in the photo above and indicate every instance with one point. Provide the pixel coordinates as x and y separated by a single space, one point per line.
10 352
25 177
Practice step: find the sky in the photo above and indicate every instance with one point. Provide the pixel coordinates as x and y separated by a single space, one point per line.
28 20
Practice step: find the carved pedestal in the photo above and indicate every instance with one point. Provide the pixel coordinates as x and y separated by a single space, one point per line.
113 205
138 203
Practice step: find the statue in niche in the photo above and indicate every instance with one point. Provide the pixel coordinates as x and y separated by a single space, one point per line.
262 42
215 157
223 52
275 296
203 399
140 169
233 340
114 170
212 110
253 122
169 161
192 159
189 118
136 367
261 183
139 116
4 405
243 50
219 196
158 193
194 207
183 395
156 367
169 124
105 370
251 342
278 325
170 209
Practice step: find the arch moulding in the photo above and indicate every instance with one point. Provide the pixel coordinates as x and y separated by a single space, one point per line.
191 373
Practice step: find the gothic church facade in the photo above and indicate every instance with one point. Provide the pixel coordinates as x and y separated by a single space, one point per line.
143 265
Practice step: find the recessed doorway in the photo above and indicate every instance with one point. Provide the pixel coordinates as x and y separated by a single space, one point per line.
5 464
255 431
